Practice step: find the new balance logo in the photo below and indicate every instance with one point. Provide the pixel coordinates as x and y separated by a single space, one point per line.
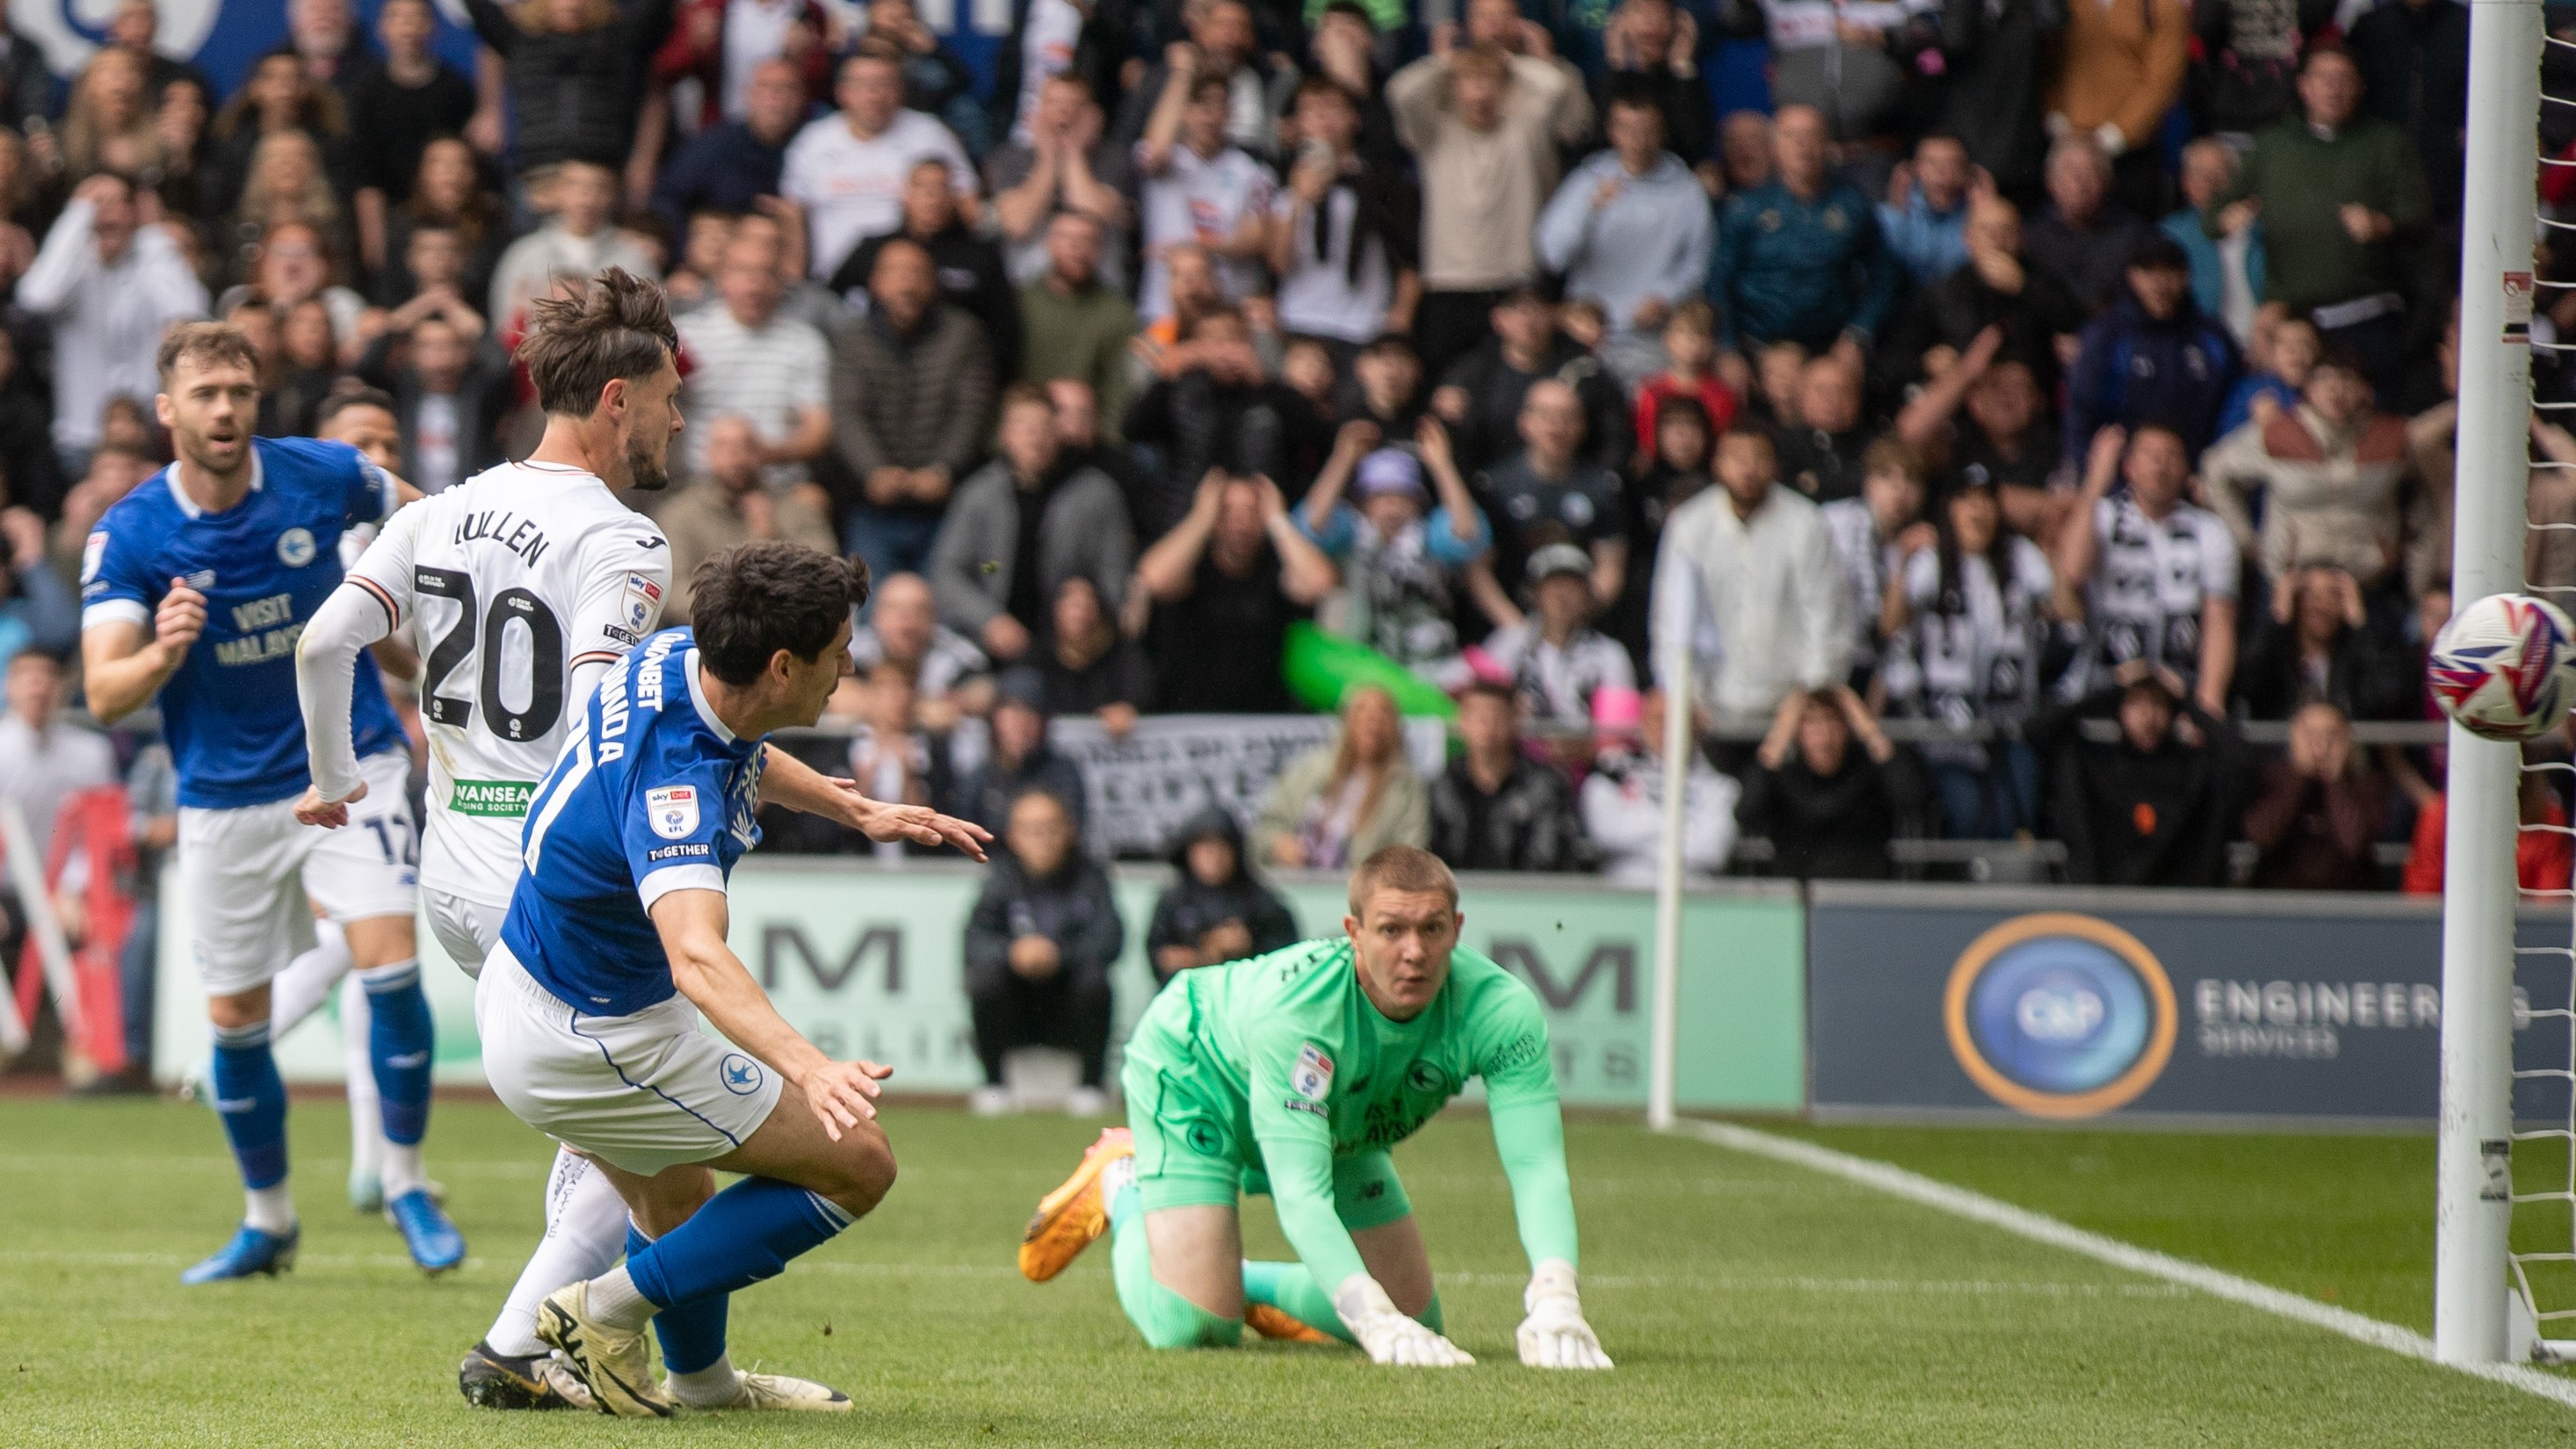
235 1104
407 1061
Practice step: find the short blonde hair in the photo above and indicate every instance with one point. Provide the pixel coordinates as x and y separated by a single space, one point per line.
1408 868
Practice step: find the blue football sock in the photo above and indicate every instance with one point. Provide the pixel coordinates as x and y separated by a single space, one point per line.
744 1234
400 1042
692 1332
251 1099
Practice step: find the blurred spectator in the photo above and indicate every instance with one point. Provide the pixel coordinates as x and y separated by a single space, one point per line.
1039 946
717 49
1651 49
1221 44
1623 799
746 361
1405 561
576 70
44 757
735 166
152 795
2340 193
37 609
2083 238
950 677
2331 470
447 196
284 187
1481 126
109 286
1385 387
1990 416
2542 858
1080 40
1345 237
1215 408
1849 66
1547 493
1089 666
1059 162
1495 808
912 395
1559 664
1227 580
109 126
2166 587
1873 535
2284 352
1800 257
2319 809
727 506
396 109
1482 395
1690 371
449 394
2156 804
31 476
1749 562
1925 215
2317 645
581 240
1019 528
310 366
847 169
1218 909
1019 759
1340 801
2119 69
1684 449
2227 270
1828 810
2413 57
2153 358
1966 630
968 267
323 37
2248 56
1198 188
890 756
1821 456
2036 315
26 85
1076 325
1630 228
291 264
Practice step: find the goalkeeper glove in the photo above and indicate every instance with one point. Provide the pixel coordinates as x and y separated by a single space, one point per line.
1554 1336
1387 1334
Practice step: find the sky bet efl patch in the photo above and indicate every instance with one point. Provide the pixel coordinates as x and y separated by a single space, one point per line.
643 602
673 809
1313 1076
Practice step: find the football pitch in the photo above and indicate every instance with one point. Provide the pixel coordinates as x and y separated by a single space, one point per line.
1748 1301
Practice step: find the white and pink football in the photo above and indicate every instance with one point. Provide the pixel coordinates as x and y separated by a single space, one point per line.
2505 667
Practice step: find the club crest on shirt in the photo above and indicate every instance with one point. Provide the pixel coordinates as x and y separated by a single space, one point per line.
1313 1075
295 547
673 809
643 602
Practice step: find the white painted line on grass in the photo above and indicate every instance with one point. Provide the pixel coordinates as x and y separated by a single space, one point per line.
2041 1228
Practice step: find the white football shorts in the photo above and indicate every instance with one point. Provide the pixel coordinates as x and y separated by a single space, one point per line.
241 867
467 930
641 1092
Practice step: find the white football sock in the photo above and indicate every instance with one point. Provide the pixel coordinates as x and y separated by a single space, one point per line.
269 1209
618 1303
711 1387
294 993
585 1236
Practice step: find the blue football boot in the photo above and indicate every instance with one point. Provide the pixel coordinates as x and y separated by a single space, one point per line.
252 1251
433 1241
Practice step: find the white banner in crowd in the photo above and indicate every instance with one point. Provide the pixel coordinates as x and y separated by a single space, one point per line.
1141 787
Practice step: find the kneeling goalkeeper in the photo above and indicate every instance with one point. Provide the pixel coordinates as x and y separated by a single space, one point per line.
1292 1074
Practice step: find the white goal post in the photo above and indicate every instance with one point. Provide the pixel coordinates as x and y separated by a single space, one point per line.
2473 1210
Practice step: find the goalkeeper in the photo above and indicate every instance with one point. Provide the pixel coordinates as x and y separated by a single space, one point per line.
1292 1074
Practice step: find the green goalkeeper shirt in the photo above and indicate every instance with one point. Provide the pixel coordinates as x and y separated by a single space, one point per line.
1312 1072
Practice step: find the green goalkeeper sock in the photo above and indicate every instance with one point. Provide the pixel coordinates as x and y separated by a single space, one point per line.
1167 1319
1292 1290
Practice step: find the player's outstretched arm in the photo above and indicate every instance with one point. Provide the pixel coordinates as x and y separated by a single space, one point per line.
326 662
1529 1134
691 923
789 781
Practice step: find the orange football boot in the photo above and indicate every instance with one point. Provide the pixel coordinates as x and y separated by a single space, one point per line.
1073 1216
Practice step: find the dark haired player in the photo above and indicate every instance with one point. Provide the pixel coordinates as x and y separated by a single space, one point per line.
1293 1074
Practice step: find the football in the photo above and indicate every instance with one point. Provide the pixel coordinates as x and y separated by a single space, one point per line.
2505 667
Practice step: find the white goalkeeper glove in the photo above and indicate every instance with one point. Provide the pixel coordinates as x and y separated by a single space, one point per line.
1387 1334
1554 1336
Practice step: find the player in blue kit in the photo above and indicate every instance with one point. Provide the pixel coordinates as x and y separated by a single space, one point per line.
614 947
196 586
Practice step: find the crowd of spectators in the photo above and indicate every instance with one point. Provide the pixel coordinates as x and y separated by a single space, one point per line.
2001 409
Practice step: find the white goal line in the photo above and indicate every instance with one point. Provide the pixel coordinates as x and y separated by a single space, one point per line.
2041 1228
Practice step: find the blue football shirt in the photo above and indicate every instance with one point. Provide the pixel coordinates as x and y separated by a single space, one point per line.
652 794
265 565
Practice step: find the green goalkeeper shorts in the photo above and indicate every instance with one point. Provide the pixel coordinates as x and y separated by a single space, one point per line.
1191 1150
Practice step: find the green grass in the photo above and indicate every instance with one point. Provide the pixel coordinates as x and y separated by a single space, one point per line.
1748 1302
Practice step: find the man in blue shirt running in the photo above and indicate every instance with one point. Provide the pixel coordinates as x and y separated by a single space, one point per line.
615 944
224 556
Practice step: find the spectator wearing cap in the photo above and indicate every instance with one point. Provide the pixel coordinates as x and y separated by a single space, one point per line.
1828 809
1219 909
2153 357
1226 582
1552 656
1021 526
1480 396
1404 561
2333 472
1548 493
1630 229
2083 238
1801 258
1039 945
2154 805
1018 759
1495 808
950 676
1623 797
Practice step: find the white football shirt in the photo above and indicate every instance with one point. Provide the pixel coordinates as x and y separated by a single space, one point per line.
505 584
